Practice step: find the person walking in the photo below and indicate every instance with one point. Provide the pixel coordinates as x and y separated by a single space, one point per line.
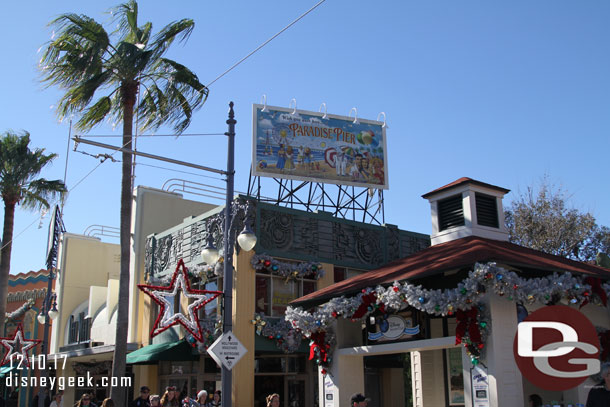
142 400
273 400
85 401
57 400
170 398
215 402
358 400
599 396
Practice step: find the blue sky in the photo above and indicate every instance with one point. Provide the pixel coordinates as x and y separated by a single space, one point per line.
503 92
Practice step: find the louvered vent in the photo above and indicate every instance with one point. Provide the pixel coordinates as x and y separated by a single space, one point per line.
450 212
487 210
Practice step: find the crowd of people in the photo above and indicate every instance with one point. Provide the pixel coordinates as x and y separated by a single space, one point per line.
171 398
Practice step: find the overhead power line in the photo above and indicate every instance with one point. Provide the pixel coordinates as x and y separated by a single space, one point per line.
265 43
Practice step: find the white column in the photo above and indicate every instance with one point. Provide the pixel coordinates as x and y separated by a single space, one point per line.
346 374
416 379
345 378
505 380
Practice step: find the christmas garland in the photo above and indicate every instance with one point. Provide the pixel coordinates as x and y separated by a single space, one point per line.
290 271
198 274
563 287
286 338
18 313
471 331
211 329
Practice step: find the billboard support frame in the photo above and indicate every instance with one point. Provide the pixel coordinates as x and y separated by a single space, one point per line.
351 203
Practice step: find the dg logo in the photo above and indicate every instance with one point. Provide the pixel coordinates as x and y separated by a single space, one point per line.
556 348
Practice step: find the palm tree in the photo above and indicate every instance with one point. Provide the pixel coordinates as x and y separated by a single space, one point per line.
84 61
19 167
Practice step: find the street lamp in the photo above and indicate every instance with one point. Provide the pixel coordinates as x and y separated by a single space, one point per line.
247 238
47 313
210 254
49 307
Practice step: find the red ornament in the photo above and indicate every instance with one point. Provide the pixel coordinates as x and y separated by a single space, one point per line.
515 286
395 289
481 345
17 345
179 283
334 314
267 263
323 371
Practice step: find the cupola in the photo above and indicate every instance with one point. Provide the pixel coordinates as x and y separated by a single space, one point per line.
467 207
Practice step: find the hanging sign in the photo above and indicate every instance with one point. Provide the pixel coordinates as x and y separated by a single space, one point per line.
394 327
306 146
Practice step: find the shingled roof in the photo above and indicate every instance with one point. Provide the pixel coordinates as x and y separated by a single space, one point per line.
456 254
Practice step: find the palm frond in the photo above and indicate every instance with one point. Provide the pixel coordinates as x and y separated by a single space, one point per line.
144 33
163 40
125 16
83 61
182 92
95 114
80 95
19 167
40 191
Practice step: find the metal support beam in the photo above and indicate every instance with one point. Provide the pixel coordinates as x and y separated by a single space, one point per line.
78 139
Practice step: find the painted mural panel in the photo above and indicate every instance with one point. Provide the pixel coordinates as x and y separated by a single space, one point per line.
306 146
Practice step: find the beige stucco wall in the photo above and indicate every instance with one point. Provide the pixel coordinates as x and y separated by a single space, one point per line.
83 262
153 211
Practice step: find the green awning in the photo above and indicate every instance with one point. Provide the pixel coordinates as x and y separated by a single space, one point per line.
6 369
151 354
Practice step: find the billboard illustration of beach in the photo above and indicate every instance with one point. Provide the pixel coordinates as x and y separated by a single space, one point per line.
302 145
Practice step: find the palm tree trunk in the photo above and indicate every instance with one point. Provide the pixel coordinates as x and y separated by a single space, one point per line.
5 259
119 394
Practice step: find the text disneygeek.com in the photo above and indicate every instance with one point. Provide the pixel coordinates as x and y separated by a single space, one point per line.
17 378
60 383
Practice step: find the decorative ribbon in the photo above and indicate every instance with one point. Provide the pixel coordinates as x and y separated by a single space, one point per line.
318 345
467 321
596 287
367 300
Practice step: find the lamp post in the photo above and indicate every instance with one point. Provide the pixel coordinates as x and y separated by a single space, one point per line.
210 254
48 312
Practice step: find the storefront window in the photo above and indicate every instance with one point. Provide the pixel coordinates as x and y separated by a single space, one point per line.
269 365
182 375
280 364
274 293
212 308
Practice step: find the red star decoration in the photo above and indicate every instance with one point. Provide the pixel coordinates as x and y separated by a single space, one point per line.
17 345
160 295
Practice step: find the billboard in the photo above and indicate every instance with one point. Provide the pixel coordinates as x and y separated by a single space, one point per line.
302 145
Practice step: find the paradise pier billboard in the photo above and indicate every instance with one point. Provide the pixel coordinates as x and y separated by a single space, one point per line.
306 146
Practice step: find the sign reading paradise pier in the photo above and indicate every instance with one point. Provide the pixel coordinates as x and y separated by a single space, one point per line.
302 145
